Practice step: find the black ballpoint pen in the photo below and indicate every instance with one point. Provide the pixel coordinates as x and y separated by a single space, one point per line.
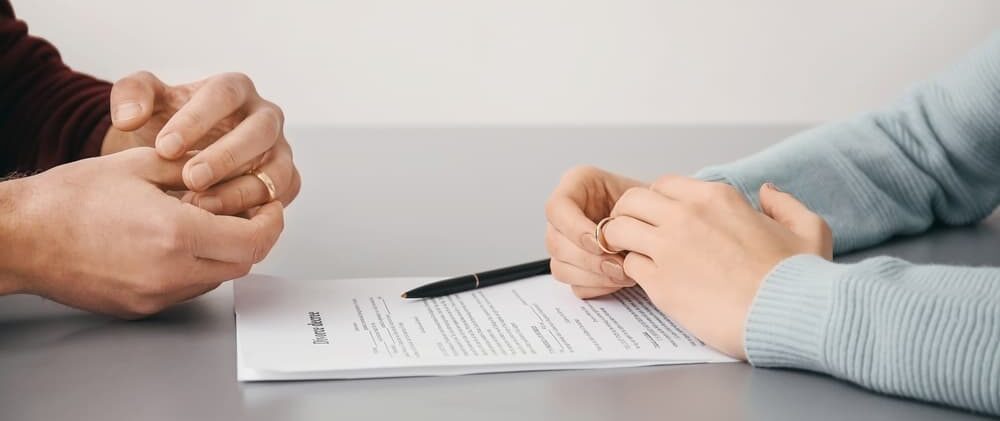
479 280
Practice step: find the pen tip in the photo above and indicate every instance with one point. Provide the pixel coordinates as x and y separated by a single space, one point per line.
403 295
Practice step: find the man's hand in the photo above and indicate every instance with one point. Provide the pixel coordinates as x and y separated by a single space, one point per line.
700 251
102 235
584 195
224 117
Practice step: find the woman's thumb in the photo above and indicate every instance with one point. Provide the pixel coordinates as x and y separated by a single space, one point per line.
790 212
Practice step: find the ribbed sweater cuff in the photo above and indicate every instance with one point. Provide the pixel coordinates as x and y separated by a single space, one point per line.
788 320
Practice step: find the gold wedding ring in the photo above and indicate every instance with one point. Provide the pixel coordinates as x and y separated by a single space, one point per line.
272 192
599 236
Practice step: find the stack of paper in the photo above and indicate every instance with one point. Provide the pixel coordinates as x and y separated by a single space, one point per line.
357 328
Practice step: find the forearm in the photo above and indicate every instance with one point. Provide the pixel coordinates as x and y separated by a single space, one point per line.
12 279
924 332
931 157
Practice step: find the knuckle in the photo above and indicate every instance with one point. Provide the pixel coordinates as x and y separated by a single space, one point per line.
724 190
721 189
272 122
230 95
631 194
228 160
239 79
687 215
244 197
275 112
702 202
715 193
135 80
127 83
143 75
581 172
663 181
232 89
192 120
170 236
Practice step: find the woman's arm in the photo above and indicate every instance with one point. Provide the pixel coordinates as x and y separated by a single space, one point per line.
922 331
49 114
759 286
926 332
933 156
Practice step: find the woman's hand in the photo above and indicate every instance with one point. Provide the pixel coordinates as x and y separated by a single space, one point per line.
584 195
700 251
101 235
223 115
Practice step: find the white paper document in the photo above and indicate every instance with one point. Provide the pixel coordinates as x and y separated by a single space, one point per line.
359 328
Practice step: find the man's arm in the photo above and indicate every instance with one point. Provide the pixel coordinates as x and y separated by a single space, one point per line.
49 114
933 156
11 281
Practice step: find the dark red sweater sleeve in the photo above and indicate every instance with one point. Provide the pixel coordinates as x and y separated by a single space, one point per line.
49 114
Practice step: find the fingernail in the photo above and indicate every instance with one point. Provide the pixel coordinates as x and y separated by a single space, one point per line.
210 203
615 272
199 176
127 111
170 145
590 243
771 186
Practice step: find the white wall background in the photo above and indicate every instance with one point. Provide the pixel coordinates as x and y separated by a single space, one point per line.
530 62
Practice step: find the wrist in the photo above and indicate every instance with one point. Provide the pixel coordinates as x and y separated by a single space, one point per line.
12 223
786 324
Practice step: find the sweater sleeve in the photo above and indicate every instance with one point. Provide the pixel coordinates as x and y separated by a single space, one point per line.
924 332
49 114
920 331
932 156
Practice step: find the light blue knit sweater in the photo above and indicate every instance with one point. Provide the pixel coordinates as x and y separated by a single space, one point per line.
920 331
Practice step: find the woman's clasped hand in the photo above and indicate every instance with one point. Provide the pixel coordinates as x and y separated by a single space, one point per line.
699 249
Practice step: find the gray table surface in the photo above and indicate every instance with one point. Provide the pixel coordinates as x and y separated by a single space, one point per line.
390 202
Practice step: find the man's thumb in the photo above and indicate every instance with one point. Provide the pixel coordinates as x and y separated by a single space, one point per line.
790 212
132 100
